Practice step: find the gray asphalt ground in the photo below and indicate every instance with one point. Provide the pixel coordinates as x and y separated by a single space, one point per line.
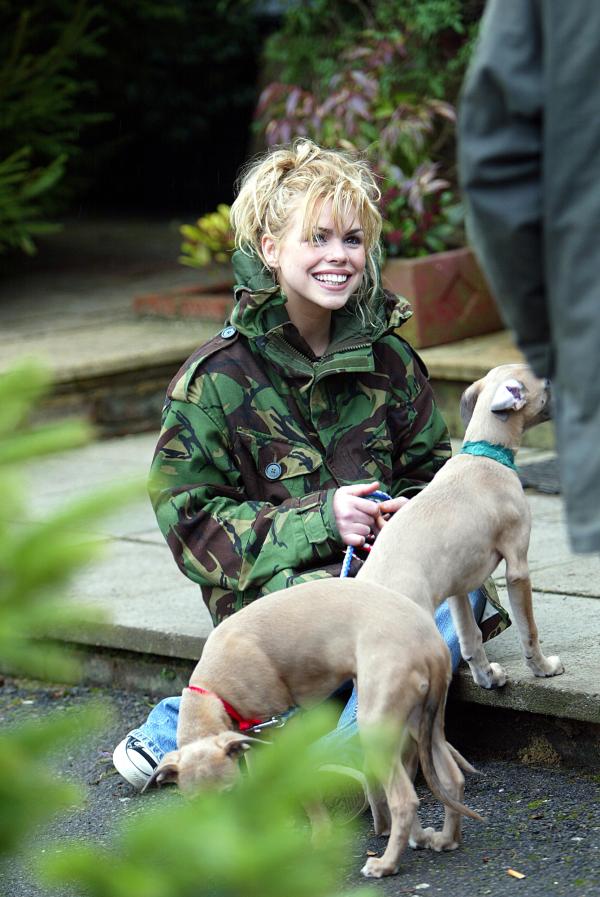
540 821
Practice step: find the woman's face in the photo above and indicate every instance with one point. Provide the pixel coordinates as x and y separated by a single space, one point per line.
320 273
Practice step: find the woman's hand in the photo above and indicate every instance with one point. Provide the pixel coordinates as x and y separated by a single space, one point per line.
387 508
355 516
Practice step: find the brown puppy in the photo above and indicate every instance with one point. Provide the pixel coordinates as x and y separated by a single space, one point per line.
452 536
296 647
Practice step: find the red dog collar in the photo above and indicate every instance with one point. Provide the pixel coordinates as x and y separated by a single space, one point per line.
244 724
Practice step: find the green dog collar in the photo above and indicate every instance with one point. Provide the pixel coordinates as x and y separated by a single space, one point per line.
499 453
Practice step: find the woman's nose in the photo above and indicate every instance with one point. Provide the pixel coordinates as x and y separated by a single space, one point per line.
336 250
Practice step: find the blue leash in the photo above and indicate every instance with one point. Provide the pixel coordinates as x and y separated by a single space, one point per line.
374 496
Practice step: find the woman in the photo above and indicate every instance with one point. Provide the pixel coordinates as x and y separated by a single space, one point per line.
276 432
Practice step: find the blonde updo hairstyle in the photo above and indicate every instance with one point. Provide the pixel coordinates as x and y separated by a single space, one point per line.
272 185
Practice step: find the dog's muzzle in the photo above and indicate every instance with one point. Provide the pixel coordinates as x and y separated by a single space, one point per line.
548 412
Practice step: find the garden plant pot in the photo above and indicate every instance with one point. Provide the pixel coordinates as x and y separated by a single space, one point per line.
449 296
209 302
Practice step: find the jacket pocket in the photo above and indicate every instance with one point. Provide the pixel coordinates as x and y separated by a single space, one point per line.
278 468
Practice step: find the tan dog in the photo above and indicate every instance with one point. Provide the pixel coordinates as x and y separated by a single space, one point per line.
296 647
452 536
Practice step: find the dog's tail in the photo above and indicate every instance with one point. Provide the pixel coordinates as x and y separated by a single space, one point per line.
464 764
432 717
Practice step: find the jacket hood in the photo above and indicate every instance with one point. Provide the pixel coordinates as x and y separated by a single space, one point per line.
260 306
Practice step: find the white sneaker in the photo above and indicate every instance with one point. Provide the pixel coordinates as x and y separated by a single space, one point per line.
134 761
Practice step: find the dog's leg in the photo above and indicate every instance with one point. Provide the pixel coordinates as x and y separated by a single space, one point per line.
519 592
453 782
402 802
486 674
418 837
378 702
382 821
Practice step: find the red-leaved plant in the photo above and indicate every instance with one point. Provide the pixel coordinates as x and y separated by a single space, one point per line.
367 107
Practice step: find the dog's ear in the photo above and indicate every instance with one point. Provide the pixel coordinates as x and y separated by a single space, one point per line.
234 743
167 772
468 400
509 396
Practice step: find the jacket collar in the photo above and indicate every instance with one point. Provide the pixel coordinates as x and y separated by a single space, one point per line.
259 309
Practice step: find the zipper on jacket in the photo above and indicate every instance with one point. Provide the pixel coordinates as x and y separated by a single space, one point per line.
327 354
347 349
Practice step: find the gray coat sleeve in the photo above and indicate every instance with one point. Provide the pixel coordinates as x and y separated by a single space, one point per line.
500 164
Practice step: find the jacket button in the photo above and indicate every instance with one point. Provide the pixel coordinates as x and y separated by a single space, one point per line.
273 471
228 332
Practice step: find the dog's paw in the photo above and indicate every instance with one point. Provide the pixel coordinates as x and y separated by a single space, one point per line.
499 676
421 839
440 842
429 839
492 677
546 666
376 867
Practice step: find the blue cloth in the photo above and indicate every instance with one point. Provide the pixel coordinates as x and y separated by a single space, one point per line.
160 729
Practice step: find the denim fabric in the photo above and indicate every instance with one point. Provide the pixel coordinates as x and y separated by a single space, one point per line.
159 732
160 729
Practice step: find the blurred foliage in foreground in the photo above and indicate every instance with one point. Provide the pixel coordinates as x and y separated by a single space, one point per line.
252 840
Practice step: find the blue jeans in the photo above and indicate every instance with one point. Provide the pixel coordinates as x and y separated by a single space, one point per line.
160 729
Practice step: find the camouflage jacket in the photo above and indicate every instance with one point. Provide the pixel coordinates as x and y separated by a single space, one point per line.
258 433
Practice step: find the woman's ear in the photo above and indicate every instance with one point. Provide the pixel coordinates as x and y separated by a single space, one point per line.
269 250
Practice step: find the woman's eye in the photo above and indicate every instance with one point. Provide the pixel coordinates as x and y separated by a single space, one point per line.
318 238
353 240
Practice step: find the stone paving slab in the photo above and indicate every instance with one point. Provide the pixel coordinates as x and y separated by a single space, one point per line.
470 359
570 627
553 566
147 605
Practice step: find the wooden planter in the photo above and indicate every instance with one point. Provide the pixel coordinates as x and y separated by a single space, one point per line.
449 296
211 303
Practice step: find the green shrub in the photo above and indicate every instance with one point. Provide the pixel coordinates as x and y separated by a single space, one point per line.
439 33
22 207
210 239
40 122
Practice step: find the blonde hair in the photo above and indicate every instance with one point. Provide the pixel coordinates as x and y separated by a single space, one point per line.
273 184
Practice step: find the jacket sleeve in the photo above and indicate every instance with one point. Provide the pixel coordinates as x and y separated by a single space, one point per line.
500 165
419 433
216 534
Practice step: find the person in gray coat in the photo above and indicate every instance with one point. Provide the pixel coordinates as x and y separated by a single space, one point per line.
529 162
